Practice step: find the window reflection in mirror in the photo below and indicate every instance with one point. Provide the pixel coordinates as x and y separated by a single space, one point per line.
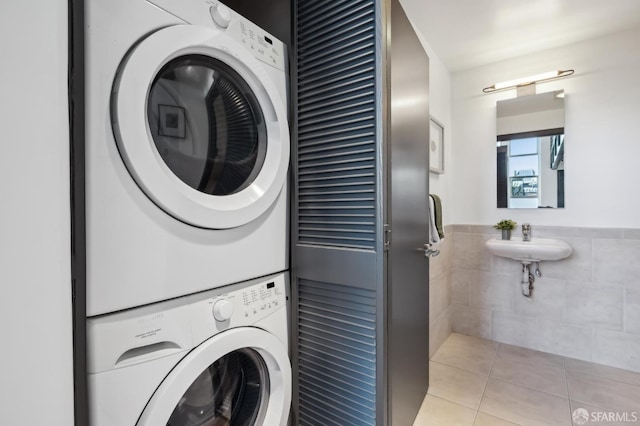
530 151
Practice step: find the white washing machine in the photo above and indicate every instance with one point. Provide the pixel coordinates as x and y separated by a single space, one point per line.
215 358
187 151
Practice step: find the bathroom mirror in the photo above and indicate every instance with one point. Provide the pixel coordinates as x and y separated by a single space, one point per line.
530 151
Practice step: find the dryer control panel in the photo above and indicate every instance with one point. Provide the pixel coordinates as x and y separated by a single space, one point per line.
261 44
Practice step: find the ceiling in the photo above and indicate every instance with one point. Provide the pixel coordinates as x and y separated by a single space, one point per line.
470 33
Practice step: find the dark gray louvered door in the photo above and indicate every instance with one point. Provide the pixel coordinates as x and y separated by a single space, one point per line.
338 244
360 161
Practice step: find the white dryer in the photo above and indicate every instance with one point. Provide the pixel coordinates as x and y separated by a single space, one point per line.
187 151
215 358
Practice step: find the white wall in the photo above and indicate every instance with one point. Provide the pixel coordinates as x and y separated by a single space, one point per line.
602 135
440 109
35 303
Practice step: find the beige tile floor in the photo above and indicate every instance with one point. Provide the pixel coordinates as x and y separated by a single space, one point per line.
476 382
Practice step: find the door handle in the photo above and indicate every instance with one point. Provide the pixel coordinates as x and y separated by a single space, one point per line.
428 250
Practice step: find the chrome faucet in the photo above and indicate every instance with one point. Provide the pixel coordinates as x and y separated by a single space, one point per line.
526 232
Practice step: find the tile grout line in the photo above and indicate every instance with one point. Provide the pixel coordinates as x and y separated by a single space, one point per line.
566 382
526 385
495 354
609 378
458 368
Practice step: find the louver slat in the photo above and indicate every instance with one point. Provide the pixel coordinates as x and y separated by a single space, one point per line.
336 123
336 354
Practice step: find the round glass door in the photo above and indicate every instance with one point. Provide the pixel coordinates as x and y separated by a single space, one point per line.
233 391
207 125
240 377
201 127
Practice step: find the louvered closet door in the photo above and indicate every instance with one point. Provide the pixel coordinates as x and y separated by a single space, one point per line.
337 216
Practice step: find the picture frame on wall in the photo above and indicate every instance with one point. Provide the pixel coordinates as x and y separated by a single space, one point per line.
436 146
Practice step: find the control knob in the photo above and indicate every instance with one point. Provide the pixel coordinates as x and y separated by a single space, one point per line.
222 310
221 15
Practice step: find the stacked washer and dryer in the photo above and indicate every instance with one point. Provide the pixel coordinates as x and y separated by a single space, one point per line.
187 153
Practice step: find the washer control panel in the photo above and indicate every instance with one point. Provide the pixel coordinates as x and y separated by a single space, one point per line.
177 325
260 299
223 310
237 305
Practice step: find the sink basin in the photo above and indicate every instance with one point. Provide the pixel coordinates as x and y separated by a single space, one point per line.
530 251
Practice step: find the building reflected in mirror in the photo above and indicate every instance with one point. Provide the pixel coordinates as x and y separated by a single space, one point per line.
530 151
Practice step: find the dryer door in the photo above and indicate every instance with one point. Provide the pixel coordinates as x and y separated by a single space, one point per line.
201 127
240 377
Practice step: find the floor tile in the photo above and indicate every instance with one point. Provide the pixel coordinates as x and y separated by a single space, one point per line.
523 387
456 385
467 352
439 412
484 419
529 368
611 373
525 406
603 393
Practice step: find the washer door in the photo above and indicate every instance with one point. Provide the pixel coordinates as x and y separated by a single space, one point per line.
240 377
201 127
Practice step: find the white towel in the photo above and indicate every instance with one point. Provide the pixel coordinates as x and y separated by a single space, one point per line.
434 238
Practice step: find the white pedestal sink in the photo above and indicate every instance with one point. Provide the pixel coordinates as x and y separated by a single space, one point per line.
528 252
535 250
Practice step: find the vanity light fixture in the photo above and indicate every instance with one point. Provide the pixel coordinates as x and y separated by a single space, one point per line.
525 81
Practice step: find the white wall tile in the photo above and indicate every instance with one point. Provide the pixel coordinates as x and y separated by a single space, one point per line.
564 339
439 330
576 267
440 289
490 291
439 295
593 305
502 265
632 310
472 322
579 306
460 286
514 329
616 261
484 229
547 231
547 299
631 234
469 252
542 335
441 264
583 232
